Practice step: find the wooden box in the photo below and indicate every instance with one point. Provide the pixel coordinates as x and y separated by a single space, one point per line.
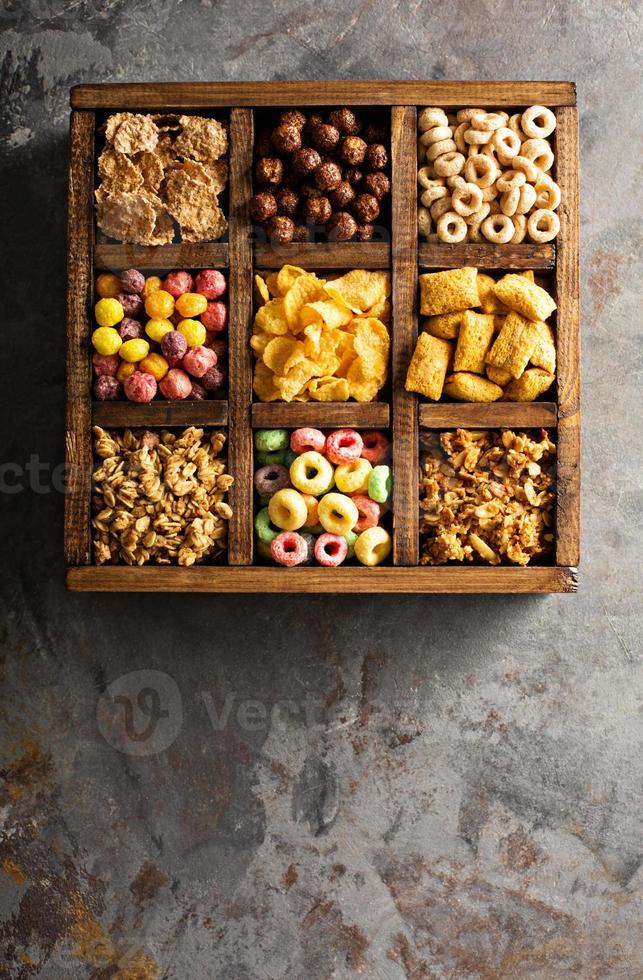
405 418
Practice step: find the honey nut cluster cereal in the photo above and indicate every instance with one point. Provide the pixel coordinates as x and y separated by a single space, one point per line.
483 339
485 176
159 174
160 499
486 497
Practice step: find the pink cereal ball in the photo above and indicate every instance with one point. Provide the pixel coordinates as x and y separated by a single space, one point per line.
132 304
132 281
140 387
198 360
105 364
198 393
210 283
307 439
289 549
369 512
213 379
375 447
131 329
331 549
343 446
176 385
177 283
215 318
106 388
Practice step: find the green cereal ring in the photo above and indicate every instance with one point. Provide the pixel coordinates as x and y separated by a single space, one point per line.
269 440
379 484
264 529
289 458
351 538
317 529
265 458
264 550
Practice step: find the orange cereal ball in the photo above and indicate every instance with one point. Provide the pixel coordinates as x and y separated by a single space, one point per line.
152 284
154 364
191 304
159 305
108 312
125 370
193 331
108 286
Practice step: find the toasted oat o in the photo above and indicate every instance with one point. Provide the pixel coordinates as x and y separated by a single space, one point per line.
544 352
513 346
445 325
474 341
497 375
525 297
450 291
471 388
428 366
529 385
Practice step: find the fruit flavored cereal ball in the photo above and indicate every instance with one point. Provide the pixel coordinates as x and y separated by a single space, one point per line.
317 210
176 385
132 303
154 364
198 360
352 150
177 283
198 394
174 346
324 137
108 312
106 388
105 364
292 117
134 350
108 286
280 230
193 331
377 184
106 340
130 329
345 121
210 283
190 305
152 283
263 206
287 202
269 170
125 370
286 139
342 196
140 387
156 329
328 176
132 281
159 305
366 208
341 227
213 379
305 161
376 157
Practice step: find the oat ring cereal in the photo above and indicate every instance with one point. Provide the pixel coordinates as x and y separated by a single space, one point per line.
480 170
498 228
477 137
451 228
466 199
435 135
431 117
527 199
507 143
520 226
547 192
478 216
543 225
510 180
527 167
514 124
466 115
438 149
449 164
432 194
438 208
538 121
425 178
509 201
539 152
424 221
458 136
490 121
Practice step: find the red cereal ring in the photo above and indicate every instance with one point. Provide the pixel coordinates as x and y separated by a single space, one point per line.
343 446
307 439
375 448
330 549
369 512
289 549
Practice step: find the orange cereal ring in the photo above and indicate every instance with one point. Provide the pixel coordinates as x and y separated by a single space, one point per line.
498 228
451 228
449 164
538 122
543 225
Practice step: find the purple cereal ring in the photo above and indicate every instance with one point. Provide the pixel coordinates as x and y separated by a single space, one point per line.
331 549
343 446
307 439
270 479
289 549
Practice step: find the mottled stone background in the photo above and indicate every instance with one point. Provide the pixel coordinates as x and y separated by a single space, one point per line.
393 787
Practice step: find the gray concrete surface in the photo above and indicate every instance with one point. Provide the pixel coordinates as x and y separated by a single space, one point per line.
384 787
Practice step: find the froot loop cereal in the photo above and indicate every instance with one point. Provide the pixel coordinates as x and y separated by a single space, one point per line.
159 498
483 339
159 175
321 340
159 338
487 497
486 176
322 505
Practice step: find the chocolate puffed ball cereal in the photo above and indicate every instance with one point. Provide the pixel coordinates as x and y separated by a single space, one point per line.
280 229
366 208
352 150
341 227
377 184
341 196
305 161
328 176
317 210
292 117
365 233
286 139
353 175
376 157
373 133
345 121
287 202
269 170
263 206
324 137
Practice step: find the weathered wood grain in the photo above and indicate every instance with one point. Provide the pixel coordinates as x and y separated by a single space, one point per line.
213 255
331 255
124 414
437 255
495 415
321 415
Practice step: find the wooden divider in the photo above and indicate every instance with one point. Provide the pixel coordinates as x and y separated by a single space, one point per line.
185 255
124 414
438 255
240 290
404 270
493 415
325 255
321 415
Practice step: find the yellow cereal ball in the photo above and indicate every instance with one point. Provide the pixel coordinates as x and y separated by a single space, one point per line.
191 304
193 331
353 477
125 370
108 285
106 340
108 312
152 283
337 513
287 509
156 329
134 350
373 546
154 364
159 305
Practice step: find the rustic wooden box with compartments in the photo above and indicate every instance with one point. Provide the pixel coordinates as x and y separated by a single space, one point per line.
406 418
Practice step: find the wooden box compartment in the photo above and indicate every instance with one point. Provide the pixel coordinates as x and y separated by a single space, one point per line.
403 414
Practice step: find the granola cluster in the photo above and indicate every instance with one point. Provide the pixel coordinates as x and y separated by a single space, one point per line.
486 496
160 499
